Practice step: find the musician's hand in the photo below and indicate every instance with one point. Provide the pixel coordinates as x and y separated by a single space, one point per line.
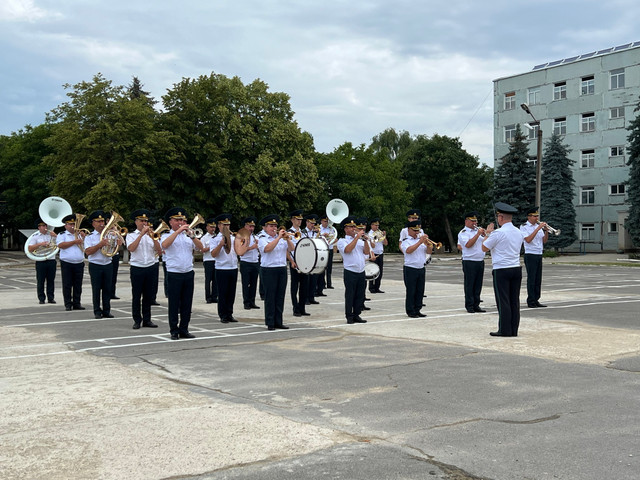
145 229
490 228
481 230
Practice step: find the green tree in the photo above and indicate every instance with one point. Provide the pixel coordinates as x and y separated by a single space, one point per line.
240 150
446 182
557 193
107 151
391 142
515 178
632 225
25 178
368 181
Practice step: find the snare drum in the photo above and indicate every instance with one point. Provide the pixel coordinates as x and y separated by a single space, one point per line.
311 255
371 271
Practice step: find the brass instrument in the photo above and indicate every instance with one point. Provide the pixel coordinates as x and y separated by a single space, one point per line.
111 233
43 252
378 236
436 245
77 229
551 230
198 232
163 227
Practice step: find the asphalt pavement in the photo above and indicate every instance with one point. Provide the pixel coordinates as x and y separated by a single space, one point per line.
396 398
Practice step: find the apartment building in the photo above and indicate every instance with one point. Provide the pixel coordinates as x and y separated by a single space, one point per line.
589 99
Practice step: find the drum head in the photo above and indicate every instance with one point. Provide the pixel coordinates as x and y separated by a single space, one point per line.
311 255
371 271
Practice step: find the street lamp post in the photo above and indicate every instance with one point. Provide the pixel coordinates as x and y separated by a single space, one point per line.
525 107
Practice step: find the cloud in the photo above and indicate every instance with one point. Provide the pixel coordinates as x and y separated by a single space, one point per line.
23 11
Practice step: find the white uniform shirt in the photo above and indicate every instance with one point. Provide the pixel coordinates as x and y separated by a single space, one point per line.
224 260
475 252
505 244
97 258
418 257
276 257
251 256
206 256
74 253
354 260
537 244
39 238
178 257
378 247
145 254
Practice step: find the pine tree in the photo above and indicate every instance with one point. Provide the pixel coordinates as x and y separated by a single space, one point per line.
515 178
557 193
632 224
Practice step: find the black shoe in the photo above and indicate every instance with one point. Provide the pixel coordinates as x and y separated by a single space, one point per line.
232 320
532 305
52 301
155 303
209 301
255 307
305 314
357 319
68 309
330 287
115 298
215 300
98 316
149 324
470 310
420 314
350 321
313 302
297 314
41 302
498 334
539 305
282 327
366 299
479 310
379 291
224 320
78 307
321 295
107 315
412 315
175 336
136 326
247 307
271 328
187 335
366 308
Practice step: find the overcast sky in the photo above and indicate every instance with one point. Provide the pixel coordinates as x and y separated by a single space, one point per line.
352 68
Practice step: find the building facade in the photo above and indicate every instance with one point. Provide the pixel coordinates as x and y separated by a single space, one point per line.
590 100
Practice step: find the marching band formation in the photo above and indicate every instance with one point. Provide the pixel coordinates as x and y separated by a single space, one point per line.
262 260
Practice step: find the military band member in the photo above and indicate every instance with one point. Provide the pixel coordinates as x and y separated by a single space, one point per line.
378 252
209 263
412 215
226 267
535 236
324 280
505 244
71 263
298 280
274 246
143 251
249 264
311 231
470 244
178 246
45 268
353 250
415 249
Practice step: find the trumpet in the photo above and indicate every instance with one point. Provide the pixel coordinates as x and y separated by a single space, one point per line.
551 230
436 245
296 236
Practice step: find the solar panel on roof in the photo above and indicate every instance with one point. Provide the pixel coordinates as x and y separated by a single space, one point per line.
557 62
622 47
538 67
587 55
570 59
606 50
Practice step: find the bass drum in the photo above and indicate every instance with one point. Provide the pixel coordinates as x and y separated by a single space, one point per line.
311 255
371 271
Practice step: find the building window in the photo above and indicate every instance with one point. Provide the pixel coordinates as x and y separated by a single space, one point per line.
588 122
616 189
617 151
617 78
510 101
509 133
587 158
616 112
560 91
587 195
533 96
533 131
533 161
588 86
587 232
560 126
612 227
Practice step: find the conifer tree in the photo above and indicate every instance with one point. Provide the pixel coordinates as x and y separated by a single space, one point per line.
515 178
557 193
632 225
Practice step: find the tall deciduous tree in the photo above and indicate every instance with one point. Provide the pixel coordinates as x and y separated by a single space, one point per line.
369 182
240 149
446 181
557 193
632 225
391 142
107 152
515 178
